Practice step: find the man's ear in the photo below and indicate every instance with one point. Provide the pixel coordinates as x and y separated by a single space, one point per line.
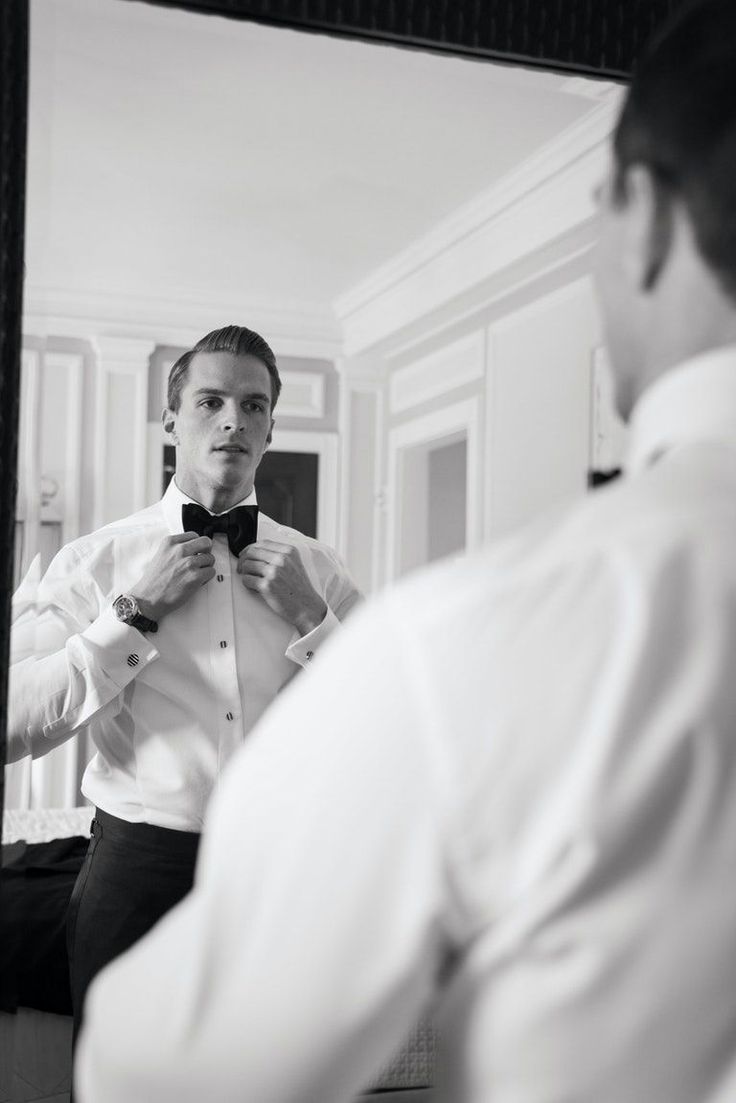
168 420
648 227
269 438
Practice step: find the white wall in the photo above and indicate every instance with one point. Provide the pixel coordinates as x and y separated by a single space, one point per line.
494 313
519 374
538 381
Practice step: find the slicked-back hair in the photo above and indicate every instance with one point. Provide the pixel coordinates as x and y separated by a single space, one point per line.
679 120
235 339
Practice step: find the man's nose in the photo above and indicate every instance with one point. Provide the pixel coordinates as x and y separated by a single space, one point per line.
233 420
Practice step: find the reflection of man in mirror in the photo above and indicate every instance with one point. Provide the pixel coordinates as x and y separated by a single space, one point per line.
168 633
519 798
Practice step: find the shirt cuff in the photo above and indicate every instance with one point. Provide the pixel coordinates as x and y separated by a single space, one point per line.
125 650
302 648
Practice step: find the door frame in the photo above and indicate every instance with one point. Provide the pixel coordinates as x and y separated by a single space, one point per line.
325 446
424 431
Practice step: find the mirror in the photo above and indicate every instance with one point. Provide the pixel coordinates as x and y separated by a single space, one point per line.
410 232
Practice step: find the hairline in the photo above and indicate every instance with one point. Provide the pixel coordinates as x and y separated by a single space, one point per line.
188 356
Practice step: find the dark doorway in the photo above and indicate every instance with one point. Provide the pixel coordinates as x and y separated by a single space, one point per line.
286 485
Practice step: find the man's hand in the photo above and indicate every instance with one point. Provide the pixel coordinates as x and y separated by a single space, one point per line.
276 572
182 564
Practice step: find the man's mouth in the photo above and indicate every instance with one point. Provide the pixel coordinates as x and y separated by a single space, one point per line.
234 448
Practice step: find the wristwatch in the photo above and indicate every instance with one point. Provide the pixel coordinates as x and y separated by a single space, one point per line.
126 609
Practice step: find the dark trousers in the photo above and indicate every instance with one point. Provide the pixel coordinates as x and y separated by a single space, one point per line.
132 875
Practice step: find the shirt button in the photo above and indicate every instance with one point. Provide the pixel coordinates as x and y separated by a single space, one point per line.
309 655
220 578
223 643
229 716
133 659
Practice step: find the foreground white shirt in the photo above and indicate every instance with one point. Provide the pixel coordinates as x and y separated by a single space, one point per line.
166 710
521 801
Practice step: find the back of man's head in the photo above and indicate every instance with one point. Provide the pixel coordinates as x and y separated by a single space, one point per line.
679 120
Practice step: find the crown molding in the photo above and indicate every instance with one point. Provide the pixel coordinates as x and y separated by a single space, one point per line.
292 329
362 372
542 198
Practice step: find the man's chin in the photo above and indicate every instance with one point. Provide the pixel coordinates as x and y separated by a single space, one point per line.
232 474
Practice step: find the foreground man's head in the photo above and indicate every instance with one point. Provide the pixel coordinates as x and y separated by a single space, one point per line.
666 255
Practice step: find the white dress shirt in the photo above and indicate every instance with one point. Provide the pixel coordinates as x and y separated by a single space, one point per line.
510 787
166 710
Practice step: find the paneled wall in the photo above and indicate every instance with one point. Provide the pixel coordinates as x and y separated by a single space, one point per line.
53 451
538 397
522 384
485 335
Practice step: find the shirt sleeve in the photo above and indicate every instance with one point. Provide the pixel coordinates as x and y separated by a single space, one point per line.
318 923
302 648
69 660
342 595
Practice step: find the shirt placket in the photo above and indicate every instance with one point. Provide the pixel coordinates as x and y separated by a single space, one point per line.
228 706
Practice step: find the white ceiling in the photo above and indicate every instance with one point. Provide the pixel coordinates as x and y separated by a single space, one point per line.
197 158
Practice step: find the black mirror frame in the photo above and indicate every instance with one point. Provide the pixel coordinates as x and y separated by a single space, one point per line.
588 37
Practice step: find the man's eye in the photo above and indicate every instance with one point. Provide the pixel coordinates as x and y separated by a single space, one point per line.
254 406
210 403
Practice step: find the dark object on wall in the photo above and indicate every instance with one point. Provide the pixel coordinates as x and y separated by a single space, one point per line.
600 478
592 37
286 486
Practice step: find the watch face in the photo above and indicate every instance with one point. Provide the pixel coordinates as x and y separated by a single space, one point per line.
125 608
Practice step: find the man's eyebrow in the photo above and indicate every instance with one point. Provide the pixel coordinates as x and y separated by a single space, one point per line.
224 394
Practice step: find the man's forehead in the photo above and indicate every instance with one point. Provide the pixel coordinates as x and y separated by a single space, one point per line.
220 366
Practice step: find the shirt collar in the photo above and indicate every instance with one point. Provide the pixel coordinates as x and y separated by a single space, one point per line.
694 402
174 499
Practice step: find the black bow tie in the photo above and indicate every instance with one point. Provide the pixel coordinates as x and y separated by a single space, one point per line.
240 525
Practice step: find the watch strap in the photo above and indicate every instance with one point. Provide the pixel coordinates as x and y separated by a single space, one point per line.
144 624
132 614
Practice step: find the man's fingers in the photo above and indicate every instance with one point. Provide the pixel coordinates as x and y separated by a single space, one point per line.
255 582
197 545
182 537
256 568
269 547
257 553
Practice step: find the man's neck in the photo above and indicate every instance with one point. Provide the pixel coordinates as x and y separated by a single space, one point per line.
215 499
691 314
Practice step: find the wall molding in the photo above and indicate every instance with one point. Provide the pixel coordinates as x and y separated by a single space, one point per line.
544 197
127 357
435 374
325 445
72 364
373 386
460 417
28 505
293 329
302 394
